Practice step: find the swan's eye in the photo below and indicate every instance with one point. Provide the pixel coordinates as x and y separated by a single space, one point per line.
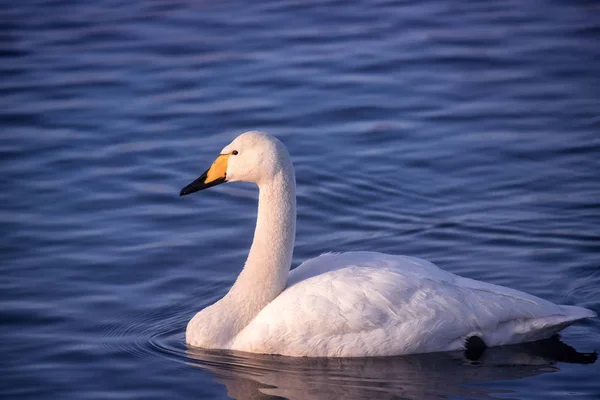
235 152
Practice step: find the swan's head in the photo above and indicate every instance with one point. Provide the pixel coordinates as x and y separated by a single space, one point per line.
253 156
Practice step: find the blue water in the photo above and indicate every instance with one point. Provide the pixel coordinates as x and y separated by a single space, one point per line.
465 133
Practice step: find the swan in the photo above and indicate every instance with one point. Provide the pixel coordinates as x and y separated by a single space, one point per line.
354 304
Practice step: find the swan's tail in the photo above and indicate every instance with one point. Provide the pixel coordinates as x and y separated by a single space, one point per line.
531 329
556 323
575 313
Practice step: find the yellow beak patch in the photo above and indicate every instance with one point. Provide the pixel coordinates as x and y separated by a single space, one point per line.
218 169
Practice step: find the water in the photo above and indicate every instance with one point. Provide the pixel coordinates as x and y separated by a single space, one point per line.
463 133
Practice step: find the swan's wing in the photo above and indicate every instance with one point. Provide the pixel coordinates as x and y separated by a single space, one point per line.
330 262
369 304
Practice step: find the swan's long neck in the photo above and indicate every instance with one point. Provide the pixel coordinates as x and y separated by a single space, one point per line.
266 270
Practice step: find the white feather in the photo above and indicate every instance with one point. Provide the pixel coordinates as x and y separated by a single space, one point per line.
352 304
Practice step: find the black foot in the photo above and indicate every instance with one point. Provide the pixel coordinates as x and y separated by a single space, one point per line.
474 348
557 350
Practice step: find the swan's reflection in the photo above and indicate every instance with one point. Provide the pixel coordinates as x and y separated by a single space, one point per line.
423 376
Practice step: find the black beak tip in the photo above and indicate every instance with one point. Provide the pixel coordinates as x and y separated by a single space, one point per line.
200 184
188 189
191 188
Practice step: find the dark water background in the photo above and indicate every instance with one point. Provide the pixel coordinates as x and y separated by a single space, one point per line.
466 133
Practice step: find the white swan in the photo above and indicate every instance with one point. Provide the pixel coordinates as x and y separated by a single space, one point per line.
352 304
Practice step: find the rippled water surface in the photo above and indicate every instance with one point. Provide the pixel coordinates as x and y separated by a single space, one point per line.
466 133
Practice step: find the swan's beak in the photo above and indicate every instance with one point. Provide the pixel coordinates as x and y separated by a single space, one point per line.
215 175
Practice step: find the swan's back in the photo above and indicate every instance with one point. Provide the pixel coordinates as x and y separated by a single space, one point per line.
373 304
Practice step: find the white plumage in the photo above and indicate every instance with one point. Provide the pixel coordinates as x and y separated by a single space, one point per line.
351 304
373 304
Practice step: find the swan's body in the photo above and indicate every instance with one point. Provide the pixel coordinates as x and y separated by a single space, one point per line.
352 304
